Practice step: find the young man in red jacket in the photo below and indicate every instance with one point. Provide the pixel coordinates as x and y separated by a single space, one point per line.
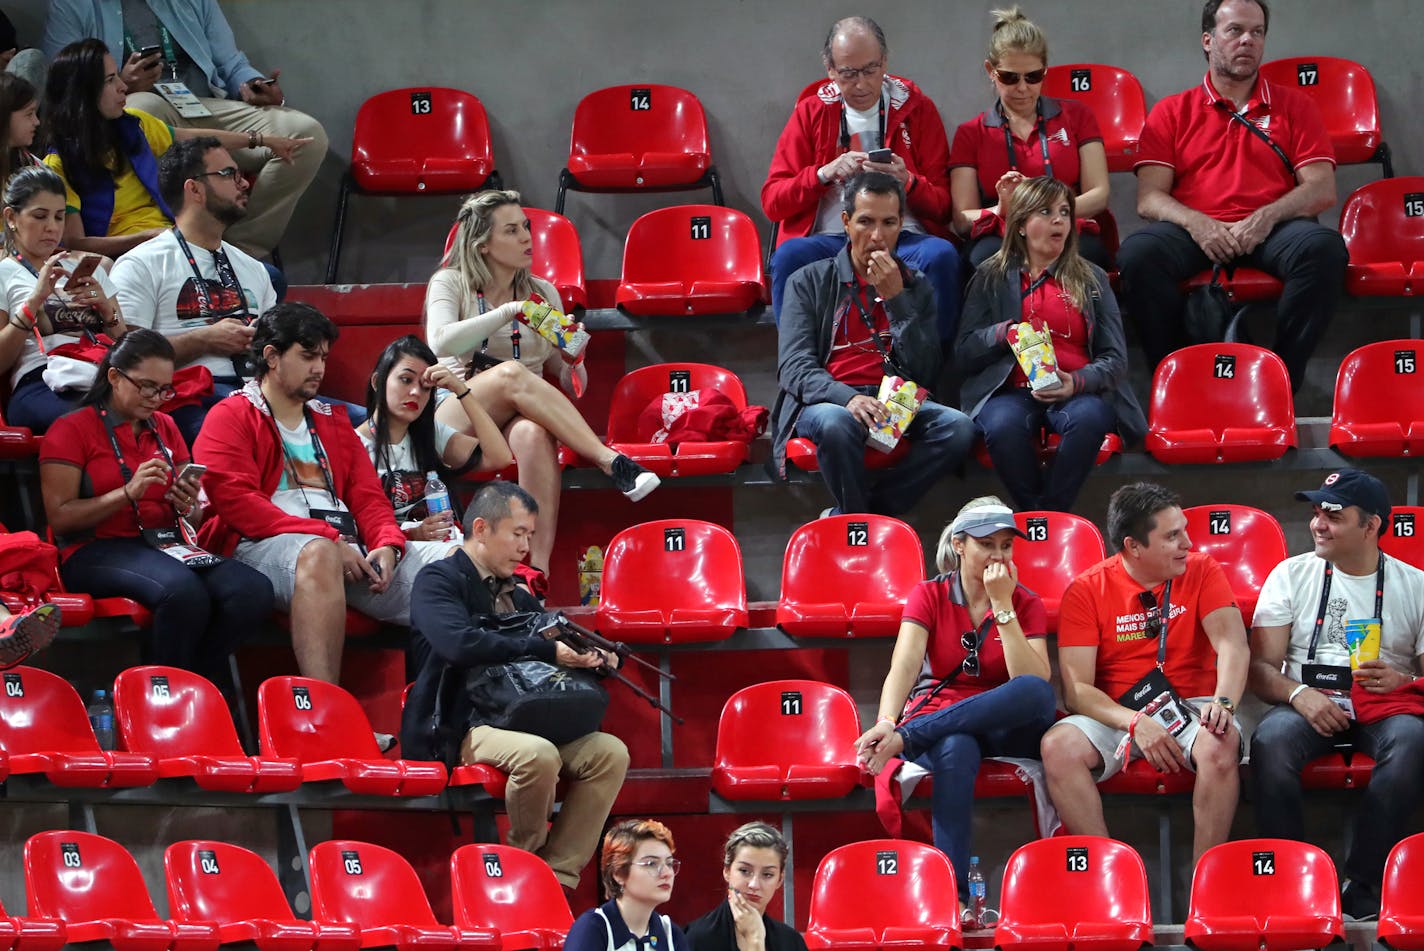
292 493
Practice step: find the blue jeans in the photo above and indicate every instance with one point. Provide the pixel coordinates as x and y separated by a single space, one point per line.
935 257
190 418
1008 720
940 439
200 615
35 406
1013 421
1285 742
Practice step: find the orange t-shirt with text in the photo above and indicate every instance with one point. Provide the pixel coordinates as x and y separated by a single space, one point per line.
1101 609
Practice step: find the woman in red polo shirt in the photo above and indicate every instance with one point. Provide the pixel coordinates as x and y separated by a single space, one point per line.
110 474
1038 277
1023 135
969 674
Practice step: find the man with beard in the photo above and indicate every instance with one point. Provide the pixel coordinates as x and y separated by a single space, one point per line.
1233 172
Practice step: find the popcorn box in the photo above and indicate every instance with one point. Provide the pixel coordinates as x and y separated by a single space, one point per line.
1033 346
1363 639
559 329
902 399
590 575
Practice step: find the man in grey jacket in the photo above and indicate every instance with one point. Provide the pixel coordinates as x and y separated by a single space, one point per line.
845 323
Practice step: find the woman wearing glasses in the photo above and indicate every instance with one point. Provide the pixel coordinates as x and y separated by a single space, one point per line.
968 677
118 498
638 874
753 865
1022 135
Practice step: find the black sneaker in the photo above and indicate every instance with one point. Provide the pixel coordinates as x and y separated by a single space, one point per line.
1359 902
632 479
23 634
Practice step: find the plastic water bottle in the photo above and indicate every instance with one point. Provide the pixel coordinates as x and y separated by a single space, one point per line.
101 718
437 500
978 894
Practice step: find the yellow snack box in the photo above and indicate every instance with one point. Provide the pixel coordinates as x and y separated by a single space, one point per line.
559 329
1033 346
902 399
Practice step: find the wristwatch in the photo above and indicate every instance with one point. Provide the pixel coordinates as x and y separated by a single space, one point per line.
1005 616
1226 703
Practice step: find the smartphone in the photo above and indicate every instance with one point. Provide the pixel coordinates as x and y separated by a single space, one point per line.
264 81
192 469
148 51
881 156
85 268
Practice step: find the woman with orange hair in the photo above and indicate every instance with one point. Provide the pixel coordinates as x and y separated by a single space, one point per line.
638 873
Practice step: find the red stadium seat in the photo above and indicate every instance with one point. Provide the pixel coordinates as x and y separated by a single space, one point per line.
376 890
787 740
95 886
1048 446
801 453
1344 92
848 576
513 892
691 259
1383 227
238 891
638 389
1264 895
417 141
1074 893
23 933
324 728
1405 537
639 139
1221 402
1379 401
673 581
17 442
558 255
183 721
1401 914
884 894
1115 97
1059 547
44 728
1243 285
1245 541
1338 771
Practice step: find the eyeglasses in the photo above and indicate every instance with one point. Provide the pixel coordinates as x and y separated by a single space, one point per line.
969 640
148 389
1153 610
656 866
1011 78
230 173
849 74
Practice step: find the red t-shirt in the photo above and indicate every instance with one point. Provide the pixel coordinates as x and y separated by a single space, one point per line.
1049 304
979 144
1101 609
1220 167
940 609
854 359
79 440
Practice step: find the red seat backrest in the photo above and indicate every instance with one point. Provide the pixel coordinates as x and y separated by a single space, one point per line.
1402 887
1115 97
507 889
311 720
852 558
688 243
217 881
1059 547
1075 878
79 876
1245 541
650 567
1383 221
1344 92
171 712
667 119
558 255
1405 537
884 883
786 723
418 129
1216 386
640 387
1263 880
1380 383
41 712
366 885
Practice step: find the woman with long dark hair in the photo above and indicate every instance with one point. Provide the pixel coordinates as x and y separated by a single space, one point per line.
122 500
406 441
19 120
108 155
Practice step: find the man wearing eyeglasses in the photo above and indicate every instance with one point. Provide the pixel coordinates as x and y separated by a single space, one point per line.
1336 646
844 125
1232 172
1153 655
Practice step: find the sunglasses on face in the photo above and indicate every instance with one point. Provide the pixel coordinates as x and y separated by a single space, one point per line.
1011 78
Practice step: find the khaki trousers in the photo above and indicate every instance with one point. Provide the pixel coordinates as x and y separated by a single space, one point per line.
279 184
594 765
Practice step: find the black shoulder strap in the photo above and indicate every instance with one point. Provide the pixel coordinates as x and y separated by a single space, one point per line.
1261 134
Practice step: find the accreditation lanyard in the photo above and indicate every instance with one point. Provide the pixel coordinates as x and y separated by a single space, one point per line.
1042 142
856 290
845 128
1166 608
347 524
165 40
86 331
124 469
513 328
1325 597
227 278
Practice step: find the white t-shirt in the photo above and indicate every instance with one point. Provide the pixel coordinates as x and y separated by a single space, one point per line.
864 128
18 284
403 480
457 331
156 289
303 485
1291 595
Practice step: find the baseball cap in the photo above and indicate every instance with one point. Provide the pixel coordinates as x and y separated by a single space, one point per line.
984 521
1351 487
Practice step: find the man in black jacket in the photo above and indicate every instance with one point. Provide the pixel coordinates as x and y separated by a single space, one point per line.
454 603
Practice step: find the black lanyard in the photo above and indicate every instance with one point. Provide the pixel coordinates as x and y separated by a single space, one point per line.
1325 597
227 278
845 128
854 288
513 328
1165 607
317 451
1042 142
124 469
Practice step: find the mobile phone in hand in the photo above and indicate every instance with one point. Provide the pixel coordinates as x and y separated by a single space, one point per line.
149 51
879 156
85 268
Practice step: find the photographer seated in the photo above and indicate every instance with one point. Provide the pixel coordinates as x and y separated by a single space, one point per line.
465 616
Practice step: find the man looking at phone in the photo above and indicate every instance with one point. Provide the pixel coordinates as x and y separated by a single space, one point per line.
849 322
1344 605
180 62
1153 655
862 118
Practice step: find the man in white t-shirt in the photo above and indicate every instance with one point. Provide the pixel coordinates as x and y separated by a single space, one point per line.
1312 608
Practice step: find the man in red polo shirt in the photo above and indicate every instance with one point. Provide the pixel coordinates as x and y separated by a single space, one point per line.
1217 192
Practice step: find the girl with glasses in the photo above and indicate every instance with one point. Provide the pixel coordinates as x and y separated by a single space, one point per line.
968 677
638 874
124 511
1022 135
753 866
